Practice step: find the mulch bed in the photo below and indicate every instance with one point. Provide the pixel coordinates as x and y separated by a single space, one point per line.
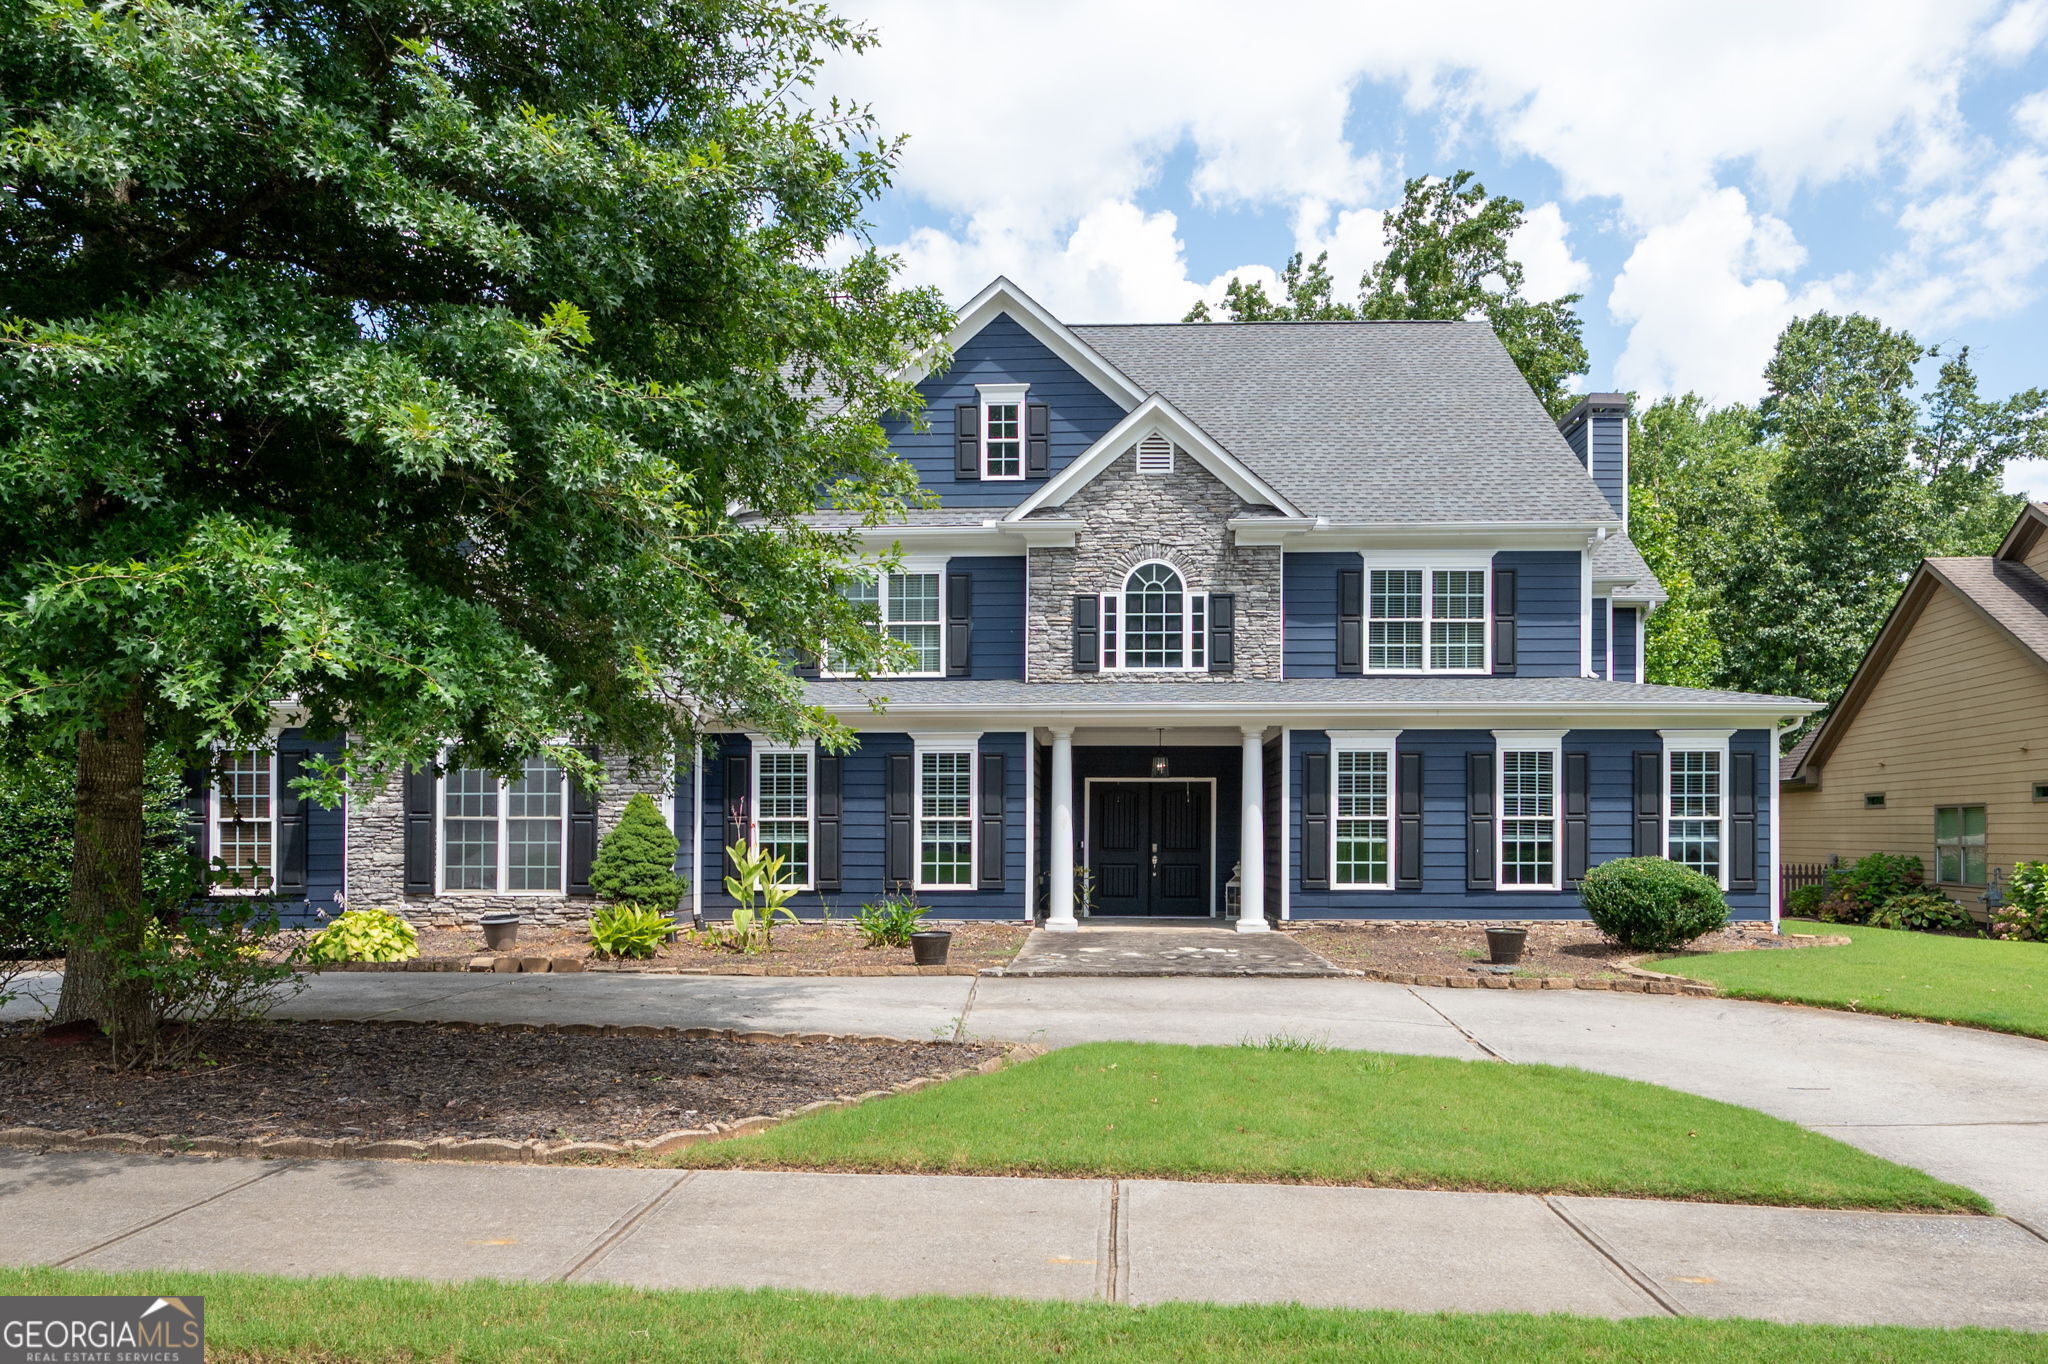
379 1082
800 949
1570 950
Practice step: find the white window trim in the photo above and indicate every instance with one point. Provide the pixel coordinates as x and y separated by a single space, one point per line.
970 744
1506 741
213 823
1002 394
1367 741
1429 566
936 566
758 746
1695 741
441 885
1190 645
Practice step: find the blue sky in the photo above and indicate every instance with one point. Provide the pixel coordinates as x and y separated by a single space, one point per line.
1700 173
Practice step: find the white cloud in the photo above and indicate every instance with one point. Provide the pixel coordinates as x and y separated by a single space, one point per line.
1549 268
1117 263
2030 115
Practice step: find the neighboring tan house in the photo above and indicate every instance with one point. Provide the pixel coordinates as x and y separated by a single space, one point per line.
1940 745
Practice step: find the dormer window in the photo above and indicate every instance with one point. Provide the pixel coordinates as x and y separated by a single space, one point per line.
1002 430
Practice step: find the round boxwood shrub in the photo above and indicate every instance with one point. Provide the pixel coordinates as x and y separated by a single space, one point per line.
1651 904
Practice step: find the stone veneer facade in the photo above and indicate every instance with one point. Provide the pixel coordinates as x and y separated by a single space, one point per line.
1128 518
376 857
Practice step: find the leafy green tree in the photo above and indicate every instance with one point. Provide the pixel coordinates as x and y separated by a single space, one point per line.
635 864
1447 258
406 360
1680 645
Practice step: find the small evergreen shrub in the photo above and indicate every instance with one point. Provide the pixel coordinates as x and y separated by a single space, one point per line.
1651 904
365 935
635 864
1921 912
2024 915
889 922
629 931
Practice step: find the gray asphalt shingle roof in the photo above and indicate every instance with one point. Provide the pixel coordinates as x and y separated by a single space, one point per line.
1617 557
1367 421
1534 692
2011 594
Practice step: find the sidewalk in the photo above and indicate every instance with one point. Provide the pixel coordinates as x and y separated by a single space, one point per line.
1133 1241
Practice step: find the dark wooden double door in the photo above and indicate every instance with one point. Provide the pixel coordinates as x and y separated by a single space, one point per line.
1148 847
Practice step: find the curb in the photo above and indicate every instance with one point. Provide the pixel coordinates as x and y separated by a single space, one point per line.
502 1150
570 965
1639 982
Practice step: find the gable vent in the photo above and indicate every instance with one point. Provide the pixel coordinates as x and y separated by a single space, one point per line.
1155 455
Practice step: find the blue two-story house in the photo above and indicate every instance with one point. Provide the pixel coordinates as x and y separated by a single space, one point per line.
1253 620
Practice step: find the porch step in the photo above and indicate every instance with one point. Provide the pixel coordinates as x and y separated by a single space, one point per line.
1163 951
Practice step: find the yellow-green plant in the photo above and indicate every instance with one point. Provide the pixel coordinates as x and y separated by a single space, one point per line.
760 896
629 931
365 935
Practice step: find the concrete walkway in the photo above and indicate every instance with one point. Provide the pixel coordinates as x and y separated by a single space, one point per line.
1135 1241
1165 950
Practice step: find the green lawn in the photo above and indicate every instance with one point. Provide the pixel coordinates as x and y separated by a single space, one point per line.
1978 981
253 1319
1339 1117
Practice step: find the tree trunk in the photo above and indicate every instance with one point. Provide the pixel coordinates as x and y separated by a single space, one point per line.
105 920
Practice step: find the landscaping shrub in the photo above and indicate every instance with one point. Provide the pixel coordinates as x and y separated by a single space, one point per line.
223 964
2024 915
635 864
1922 912
1862 887
889 922
365 935
1651 904
629 931
1805 902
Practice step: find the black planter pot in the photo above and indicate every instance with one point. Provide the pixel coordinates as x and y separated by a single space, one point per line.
928 947
1504 945
501 929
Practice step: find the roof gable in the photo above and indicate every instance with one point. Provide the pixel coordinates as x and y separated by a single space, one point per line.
1156 415
1002 298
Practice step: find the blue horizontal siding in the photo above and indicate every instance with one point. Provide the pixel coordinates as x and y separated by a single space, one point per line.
1625 644
1547 586
1600 637
1610 471
1308 604
998 648
1610 754
1002 352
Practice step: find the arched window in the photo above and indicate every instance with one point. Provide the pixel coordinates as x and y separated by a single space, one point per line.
1154 622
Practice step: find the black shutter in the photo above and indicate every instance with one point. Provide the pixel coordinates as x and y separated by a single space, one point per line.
899 867
739 795
827 803
994 801
1649 803
959 624
805 663
1479 821
967 442
582 836
1038 442
197 780
1503 622
419 831
291 821
1408 830
1742 821
1350 620
1222 632
1578 815
1315 821
1087 634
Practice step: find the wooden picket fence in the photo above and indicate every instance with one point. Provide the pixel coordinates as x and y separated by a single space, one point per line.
1793 875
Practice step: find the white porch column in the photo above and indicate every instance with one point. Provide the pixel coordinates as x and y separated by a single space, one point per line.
1059 916
1251 865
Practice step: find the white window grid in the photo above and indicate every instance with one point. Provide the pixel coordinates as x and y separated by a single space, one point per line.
1696 810
1528 818
909 608
1429 619
946 781
1154 623
1002 440
504 837
1361 807
785 810
243 823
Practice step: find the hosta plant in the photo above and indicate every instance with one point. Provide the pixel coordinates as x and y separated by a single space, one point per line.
365 935
629 931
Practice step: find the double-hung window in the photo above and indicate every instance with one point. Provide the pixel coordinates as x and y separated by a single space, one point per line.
1362 799
1002 430
908 609
1154 624
1695 829
504 836
1959 845
945 817
783 808
1427 620
244 822
1528 812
